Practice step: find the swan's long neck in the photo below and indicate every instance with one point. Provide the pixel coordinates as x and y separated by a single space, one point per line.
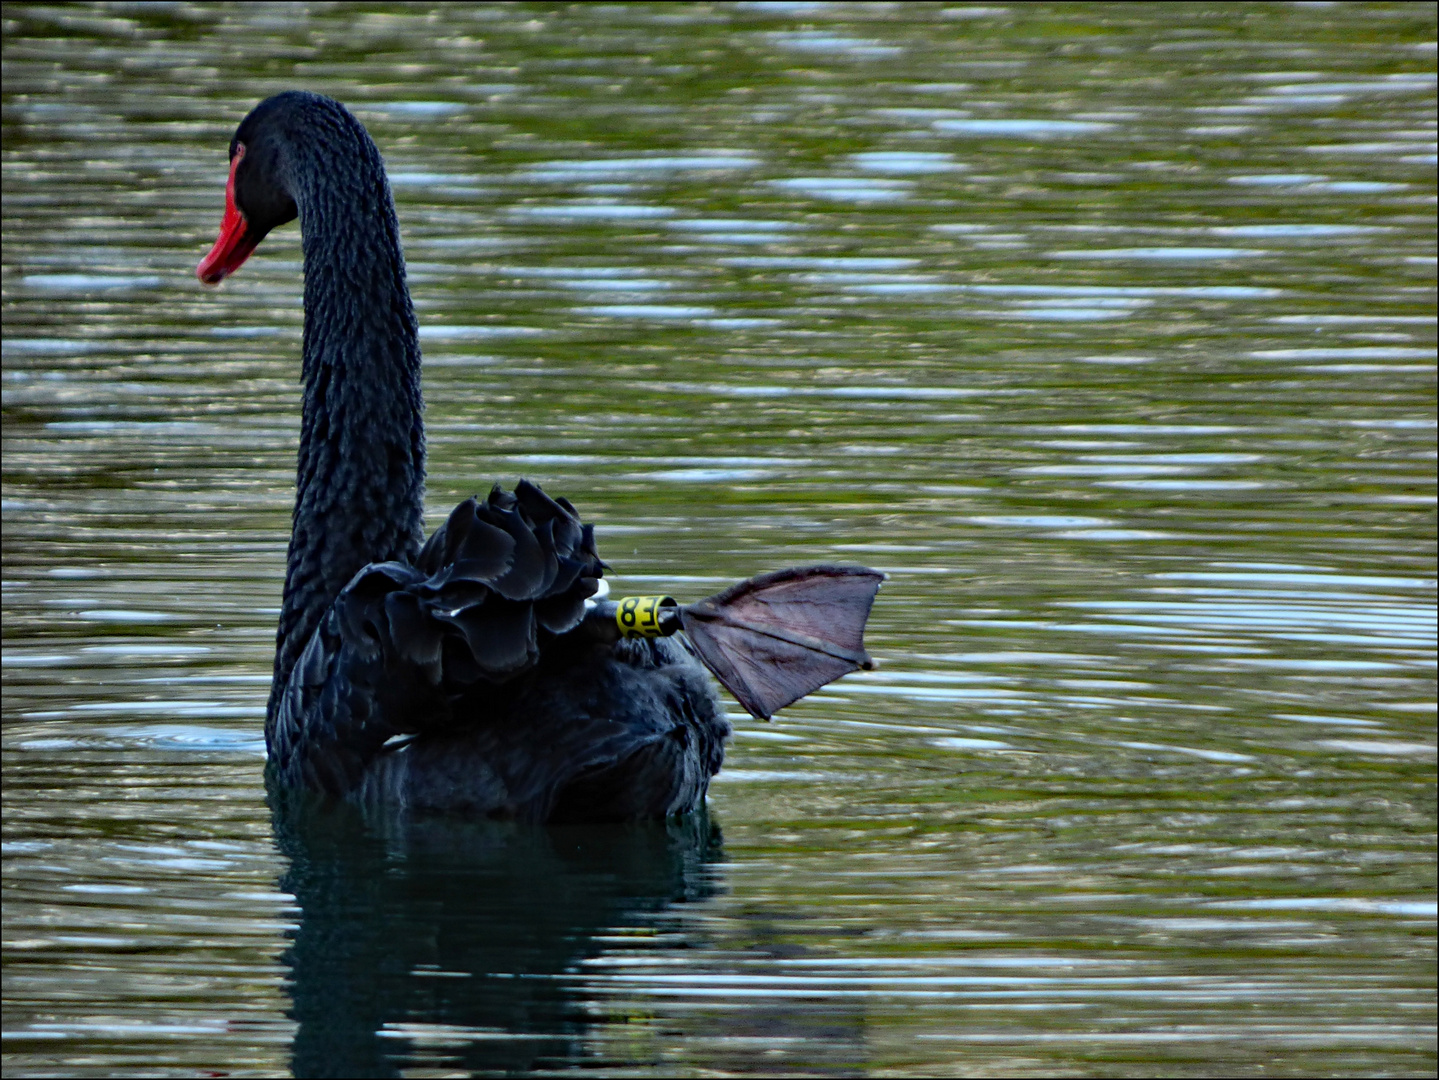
360 483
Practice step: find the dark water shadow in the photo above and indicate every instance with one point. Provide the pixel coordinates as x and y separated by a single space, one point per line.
410 926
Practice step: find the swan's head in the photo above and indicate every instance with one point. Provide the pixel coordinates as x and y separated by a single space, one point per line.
257 195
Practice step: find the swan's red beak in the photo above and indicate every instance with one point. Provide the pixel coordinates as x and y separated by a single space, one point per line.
235 241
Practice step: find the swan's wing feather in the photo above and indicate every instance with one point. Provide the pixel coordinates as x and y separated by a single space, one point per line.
492 587
499 635
561 613
532 566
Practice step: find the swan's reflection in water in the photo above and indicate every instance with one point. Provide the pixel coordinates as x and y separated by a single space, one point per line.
437 942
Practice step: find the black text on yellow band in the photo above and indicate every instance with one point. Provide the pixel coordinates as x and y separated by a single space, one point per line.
639 616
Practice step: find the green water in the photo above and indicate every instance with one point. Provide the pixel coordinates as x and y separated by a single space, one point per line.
1108 332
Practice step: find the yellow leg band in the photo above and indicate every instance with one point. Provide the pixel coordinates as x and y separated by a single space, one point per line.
639 616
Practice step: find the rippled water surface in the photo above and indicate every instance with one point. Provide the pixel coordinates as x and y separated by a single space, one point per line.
1107 332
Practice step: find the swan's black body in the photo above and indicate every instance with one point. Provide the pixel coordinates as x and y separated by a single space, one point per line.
463 648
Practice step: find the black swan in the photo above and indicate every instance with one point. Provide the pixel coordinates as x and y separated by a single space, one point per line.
473 673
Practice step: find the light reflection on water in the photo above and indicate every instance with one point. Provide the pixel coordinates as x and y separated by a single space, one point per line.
1109 337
